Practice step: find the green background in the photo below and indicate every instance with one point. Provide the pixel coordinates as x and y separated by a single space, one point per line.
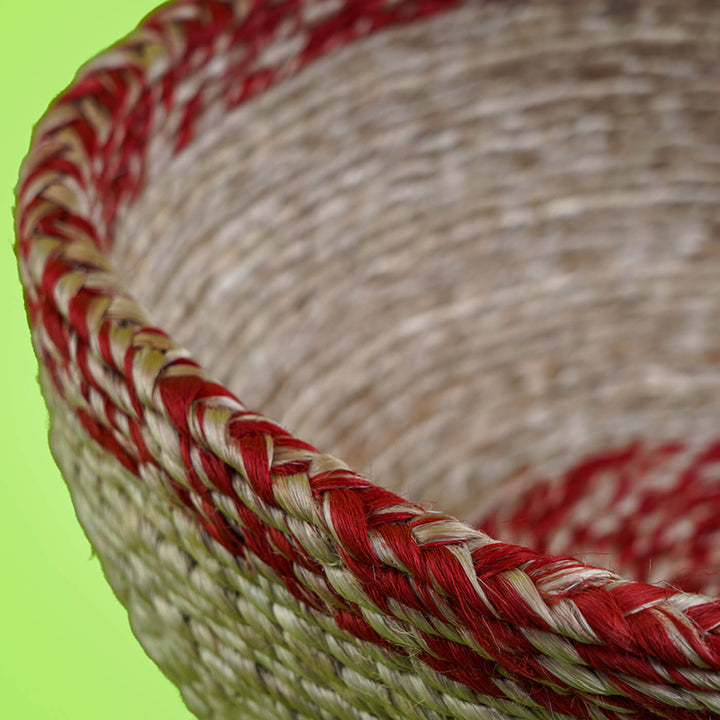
67 652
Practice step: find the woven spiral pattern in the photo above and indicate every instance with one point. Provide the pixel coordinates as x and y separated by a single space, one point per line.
469 247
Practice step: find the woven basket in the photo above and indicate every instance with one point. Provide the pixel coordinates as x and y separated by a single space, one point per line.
473 249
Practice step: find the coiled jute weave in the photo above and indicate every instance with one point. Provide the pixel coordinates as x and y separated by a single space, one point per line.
473 249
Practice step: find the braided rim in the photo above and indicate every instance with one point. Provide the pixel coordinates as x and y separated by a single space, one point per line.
573 639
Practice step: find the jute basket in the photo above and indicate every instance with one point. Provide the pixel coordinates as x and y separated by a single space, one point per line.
471 248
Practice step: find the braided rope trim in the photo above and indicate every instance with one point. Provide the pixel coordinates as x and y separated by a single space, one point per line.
506 621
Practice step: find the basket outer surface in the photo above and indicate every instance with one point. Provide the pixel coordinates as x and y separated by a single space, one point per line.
265 578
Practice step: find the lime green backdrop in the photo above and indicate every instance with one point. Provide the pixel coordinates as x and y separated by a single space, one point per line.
66 649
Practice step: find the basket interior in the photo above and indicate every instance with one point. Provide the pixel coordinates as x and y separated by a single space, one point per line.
476 257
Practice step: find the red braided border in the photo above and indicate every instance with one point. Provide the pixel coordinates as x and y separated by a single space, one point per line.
635 631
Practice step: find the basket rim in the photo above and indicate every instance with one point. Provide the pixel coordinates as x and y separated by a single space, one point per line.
459 575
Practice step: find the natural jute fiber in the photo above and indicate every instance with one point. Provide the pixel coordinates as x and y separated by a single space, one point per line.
472 248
